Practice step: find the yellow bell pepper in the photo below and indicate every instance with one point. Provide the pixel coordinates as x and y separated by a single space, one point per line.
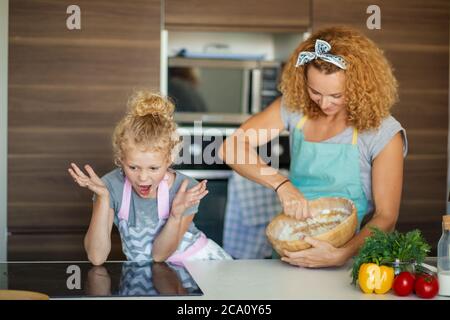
372 277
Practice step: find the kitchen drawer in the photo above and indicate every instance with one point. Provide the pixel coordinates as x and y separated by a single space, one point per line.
234 15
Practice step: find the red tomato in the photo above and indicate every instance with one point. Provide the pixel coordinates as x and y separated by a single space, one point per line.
403 284
426 286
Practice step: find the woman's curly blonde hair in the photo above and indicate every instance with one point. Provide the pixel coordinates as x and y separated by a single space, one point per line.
148 124
370 86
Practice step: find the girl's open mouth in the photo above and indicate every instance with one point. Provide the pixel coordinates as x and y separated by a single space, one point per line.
144 189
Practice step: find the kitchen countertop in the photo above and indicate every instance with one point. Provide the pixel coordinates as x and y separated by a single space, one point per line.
274 279
219 280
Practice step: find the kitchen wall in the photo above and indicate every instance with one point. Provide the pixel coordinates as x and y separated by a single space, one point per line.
3 123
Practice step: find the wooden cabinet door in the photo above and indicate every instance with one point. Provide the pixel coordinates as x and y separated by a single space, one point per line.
415 37
67 90
282 15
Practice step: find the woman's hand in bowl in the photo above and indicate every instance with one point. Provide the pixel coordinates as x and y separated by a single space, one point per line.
293 202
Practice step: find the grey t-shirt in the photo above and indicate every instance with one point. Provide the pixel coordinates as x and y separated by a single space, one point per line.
370 144
143 211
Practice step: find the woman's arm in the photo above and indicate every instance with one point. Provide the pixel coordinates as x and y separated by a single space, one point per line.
387 180
239 150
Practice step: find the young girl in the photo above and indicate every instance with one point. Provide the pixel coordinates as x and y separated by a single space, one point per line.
152 205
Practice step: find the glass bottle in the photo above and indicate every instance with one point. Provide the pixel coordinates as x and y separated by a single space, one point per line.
443 259
400 266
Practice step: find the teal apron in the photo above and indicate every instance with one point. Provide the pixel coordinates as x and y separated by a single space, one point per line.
327 169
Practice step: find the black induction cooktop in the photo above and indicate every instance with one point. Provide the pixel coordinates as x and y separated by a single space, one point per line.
112 279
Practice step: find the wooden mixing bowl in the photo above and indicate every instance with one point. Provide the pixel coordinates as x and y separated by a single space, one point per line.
334 220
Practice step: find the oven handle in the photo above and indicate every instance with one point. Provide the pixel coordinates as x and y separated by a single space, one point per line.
208 174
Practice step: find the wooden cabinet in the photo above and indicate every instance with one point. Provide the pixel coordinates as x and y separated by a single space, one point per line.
415 37
67 89
252 15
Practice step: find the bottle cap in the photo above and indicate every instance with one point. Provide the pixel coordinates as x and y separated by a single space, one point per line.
446 221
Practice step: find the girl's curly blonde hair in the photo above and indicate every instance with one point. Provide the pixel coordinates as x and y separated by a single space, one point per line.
148 124
370 86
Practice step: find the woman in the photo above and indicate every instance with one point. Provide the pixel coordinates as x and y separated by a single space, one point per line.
338 90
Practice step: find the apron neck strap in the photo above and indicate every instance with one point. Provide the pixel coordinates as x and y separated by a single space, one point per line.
355 136
126 200
163 198
301 122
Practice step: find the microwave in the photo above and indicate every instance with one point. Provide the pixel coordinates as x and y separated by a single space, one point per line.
221 90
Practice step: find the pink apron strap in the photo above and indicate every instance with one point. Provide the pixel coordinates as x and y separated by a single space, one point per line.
199 244
126 198
163 198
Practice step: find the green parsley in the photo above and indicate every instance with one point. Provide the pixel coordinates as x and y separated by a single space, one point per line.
383 248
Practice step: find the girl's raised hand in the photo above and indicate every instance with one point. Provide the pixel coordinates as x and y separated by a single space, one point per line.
90 181
185 199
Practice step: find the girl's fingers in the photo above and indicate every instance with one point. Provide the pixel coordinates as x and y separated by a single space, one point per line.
199 197
203 194
203 188
82 181
198 187
92 174
78 171
191 199
197 192
73 174
184 185
195 188
90 171
193 203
